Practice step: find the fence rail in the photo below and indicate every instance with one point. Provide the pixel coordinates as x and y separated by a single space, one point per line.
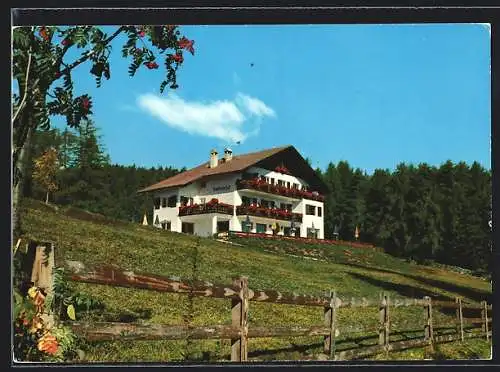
240 295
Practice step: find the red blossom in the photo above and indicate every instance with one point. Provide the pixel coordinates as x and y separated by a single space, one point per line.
185 43
44 34
85 103
151 65
66 42
176 57
58 74
142 34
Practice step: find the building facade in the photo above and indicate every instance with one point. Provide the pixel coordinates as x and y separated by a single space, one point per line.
273 191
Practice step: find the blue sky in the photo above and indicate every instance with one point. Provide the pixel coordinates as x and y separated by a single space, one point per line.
374 95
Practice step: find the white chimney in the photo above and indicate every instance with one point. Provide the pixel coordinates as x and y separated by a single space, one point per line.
228 154
213 158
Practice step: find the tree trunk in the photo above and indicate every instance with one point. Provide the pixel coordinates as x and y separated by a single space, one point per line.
47 198
18 180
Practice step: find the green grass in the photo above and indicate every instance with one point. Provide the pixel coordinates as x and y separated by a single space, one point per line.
352 272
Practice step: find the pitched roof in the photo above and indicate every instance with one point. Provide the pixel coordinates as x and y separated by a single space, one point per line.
237 163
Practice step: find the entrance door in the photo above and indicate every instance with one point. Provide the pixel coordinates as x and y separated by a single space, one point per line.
222 226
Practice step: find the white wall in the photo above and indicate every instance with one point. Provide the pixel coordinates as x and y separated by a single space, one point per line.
307 220
220 187
205 226
169 214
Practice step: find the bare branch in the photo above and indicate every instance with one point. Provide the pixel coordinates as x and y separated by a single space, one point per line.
25 95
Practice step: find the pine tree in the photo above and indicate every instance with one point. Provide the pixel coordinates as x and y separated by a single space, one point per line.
90 151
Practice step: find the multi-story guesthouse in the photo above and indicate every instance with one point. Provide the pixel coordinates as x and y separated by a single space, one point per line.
274 191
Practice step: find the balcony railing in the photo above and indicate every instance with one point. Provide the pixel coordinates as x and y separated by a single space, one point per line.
189 210
260 185
279 214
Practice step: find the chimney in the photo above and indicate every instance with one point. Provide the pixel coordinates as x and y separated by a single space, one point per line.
228 154
213 158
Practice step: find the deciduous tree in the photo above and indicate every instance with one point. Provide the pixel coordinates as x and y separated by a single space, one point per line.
42 68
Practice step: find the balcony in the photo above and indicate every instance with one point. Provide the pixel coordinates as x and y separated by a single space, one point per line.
278 214
210 207
260 185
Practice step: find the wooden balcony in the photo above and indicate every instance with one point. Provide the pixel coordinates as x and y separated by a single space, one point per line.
259 185
190 210
278 214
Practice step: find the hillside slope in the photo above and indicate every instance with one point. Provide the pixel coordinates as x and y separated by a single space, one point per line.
352 272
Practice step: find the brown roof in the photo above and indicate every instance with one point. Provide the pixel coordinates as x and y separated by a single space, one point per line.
237 164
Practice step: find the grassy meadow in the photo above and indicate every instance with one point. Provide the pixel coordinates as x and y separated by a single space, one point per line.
280 265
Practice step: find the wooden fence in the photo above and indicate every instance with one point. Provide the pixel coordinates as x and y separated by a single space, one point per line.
241 295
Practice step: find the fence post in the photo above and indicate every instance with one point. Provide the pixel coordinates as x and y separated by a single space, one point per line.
484 315
239 315
429 334
384 320
460 318
330 315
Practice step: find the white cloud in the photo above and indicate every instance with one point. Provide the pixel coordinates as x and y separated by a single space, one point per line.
227 120
254 105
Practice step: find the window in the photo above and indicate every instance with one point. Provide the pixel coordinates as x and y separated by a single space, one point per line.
163 202
172 201
247 227
264 203
296 186
157 203
319 211
245 200
281 183
286 231
261 228
188 228
184 200
272 204
191 201
289 207
282 206
202 200
222 226
268 180
254 201
166 225
272 181
310 210
287 185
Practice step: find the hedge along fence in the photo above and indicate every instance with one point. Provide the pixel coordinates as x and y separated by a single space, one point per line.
241 295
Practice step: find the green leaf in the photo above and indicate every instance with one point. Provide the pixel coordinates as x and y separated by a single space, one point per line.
71 312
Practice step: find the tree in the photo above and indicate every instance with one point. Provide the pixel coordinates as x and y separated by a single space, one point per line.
46 167
89 152
43 73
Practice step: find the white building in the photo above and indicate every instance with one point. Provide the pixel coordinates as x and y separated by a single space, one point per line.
274 191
